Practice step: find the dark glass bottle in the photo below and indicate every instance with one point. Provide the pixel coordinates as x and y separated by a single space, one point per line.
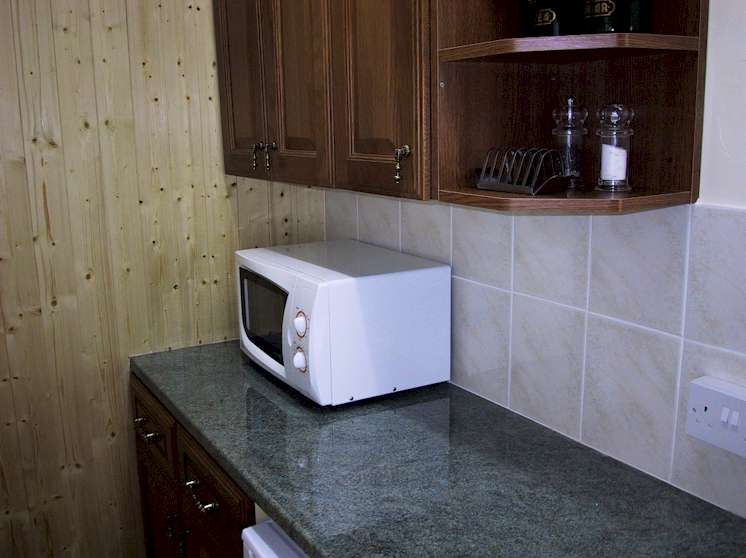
541 17
552 17
616 16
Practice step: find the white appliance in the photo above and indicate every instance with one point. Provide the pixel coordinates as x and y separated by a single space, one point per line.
342 321
267 540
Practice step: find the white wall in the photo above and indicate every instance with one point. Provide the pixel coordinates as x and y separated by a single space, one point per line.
723 180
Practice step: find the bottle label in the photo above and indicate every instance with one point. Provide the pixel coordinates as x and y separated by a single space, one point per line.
599 8
545 16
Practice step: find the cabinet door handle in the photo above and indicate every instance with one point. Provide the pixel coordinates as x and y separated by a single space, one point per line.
259 146
400 153
192 485
267 148
146 437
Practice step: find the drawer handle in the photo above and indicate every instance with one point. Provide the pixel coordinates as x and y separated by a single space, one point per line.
149 436
146 437
203 508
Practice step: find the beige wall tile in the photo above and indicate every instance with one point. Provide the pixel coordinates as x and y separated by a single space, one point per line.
630 384
716 300
482 246
426 230
378 219
341 215
637 267
551 258
547 363
480 329
709 472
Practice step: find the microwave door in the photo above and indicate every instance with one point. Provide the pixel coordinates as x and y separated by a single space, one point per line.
263 306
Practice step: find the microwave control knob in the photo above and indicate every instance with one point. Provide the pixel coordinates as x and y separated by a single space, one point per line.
300 323
299 360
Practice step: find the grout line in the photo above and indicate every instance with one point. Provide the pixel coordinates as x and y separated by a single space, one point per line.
634 325
731 352
357 216
685 288
510 347
680 368
400 224
506 291
584 366
450 236
512 253
510 309
324 210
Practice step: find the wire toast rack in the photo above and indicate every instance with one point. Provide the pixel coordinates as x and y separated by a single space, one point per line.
529 171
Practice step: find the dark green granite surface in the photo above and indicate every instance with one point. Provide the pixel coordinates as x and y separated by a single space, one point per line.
431 472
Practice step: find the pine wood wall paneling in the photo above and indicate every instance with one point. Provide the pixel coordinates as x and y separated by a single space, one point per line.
108 198
14 518
45 294
221 192
119 176
94 395
253 212
309 214
283 228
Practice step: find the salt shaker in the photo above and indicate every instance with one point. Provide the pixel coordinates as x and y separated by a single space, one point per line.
568 136
615 133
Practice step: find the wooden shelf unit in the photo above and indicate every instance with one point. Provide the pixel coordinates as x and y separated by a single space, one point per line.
599 41
494 88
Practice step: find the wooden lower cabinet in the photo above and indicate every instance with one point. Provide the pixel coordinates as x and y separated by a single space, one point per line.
191 507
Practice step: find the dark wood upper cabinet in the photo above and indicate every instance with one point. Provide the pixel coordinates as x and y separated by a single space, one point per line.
296 59
238 31
323 92
380 73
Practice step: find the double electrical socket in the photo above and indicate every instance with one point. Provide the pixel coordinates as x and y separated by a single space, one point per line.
717 414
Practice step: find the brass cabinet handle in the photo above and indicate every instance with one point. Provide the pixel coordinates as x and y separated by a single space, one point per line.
259 146
140 420
192 485
267 148
400 153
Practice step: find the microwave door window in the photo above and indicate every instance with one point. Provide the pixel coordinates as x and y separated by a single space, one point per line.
262 309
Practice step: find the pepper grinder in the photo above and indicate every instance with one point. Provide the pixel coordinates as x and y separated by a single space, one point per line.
568 136
615 133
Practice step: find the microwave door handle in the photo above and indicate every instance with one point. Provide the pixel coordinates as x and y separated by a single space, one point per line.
245 297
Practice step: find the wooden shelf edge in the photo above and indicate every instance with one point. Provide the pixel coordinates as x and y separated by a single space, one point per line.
592 204
640 41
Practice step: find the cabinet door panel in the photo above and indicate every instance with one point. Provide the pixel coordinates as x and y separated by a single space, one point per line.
238 31
160 503
296 56
379 93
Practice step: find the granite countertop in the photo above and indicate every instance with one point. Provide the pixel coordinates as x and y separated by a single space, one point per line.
429 472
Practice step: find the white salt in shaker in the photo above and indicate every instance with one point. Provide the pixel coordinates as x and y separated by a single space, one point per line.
615 134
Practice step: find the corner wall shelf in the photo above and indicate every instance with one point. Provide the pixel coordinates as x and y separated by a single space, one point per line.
570 203
606 41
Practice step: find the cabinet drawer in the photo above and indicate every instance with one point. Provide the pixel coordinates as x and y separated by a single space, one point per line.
210 498
154 428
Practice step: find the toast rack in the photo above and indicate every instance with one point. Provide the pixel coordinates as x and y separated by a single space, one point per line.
529 171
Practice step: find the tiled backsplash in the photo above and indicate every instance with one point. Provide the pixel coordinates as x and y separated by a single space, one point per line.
590 326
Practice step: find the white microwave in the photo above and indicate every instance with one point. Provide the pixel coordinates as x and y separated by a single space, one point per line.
342 320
